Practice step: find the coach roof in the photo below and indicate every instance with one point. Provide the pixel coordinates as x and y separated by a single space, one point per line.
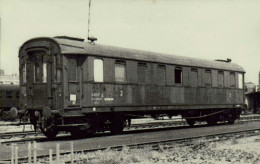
9 87
78 46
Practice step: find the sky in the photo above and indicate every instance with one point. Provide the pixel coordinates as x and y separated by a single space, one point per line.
207 29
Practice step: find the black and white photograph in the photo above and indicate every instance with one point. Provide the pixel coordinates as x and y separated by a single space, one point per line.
129 81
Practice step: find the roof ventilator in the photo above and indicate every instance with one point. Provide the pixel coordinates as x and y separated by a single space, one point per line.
227 61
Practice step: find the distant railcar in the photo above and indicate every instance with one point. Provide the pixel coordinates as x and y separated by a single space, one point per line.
82 87
9 101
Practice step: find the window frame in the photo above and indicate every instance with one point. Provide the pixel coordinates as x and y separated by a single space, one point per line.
158 78
229 80
206 77
101 79
122 63
220 72
240 83
70 68
9 94
180 75
24 74
144 66
193 69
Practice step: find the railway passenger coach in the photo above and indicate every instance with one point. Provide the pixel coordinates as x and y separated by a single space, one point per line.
9 101
67 84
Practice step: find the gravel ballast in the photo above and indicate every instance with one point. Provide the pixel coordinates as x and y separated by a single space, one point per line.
244 150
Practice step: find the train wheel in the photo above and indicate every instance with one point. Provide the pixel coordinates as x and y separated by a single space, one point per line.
13 113
48 128
49 132
211 122
191 122
117 125
231 120
77 133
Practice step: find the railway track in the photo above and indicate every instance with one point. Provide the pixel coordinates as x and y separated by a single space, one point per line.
13 123
163 143
29 136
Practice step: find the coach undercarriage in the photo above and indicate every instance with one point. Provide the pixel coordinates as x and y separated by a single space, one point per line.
83 125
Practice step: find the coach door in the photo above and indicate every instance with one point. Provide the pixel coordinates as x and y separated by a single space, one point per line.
39 80
74 73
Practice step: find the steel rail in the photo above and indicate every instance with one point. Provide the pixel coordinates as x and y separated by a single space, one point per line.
156 125
155 145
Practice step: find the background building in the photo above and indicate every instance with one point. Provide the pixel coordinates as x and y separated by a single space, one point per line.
252 96
8 79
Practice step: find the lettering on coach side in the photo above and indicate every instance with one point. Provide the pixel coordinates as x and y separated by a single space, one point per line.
109 99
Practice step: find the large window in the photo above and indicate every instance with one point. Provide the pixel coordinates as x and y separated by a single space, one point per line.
142 73
232 82
39 68
98 70
120 71
161 71
220 78
207 79
178 75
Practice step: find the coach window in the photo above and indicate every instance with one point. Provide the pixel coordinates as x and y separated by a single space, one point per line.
58 69
17 94
37 70
72 69
178 75
9 94
142 73
58 75
220 78
240 81
194 77
161 71
44 72
40 69
120 71
232 82
208 77
24 73
98 70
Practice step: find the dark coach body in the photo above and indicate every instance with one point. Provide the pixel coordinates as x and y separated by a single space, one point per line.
72 85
